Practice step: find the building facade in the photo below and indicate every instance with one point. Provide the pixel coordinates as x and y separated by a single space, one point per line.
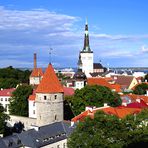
86 55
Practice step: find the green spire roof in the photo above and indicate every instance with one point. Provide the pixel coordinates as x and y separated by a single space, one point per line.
86 47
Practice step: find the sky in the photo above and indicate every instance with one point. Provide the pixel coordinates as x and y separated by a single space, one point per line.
118 31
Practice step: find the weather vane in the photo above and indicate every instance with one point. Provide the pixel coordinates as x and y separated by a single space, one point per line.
50 55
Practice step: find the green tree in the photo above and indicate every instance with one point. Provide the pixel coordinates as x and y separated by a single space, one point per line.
8 83
3 118
93 96
141 89
19 101
10 77
109 131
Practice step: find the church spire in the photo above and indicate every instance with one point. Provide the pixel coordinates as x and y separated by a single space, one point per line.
86 47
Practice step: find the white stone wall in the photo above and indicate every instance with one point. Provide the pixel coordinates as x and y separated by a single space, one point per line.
133 83
146 92
79 84
59 144
87 63
28 122
49 108
35 80
5 101
32 109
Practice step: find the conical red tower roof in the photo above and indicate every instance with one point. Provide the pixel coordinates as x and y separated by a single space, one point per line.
50 82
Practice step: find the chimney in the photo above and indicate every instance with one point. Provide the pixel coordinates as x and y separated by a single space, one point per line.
124 104
105 105
147 92
138 100
35 65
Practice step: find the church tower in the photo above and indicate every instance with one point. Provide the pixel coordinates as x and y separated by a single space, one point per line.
36 74
49 99
86 54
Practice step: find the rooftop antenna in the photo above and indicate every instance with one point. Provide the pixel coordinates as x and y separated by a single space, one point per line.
50 51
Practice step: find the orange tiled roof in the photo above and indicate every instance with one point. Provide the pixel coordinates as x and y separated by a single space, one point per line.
120 112
117 87
32 97
50 82
37 72
108 79
134 97
102 82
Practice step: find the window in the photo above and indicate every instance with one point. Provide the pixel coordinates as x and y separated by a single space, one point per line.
5 99
55 117
18 141
33 103
6 107
1 99
33 111
55 97
64 145
58 146
10 144
45 97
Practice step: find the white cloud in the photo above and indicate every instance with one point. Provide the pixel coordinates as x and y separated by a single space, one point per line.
144 49
24 32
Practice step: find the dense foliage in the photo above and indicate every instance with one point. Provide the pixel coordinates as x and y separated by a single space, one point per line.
10 77
19 101
92 96
109 131
3 118
141 89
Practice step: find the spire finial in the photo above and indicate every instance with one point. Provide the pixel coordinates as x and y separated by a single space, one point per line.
86 21
50 55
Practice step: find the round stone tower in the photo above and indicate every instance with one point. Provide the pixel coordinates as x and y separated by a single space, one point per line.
49 99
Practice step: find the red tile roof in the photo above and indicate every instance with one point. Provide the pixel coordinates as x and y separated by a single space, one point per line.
32 97
68 91
123 81
140 104
120 112
37 72
134 97
103 82
6 92
50 82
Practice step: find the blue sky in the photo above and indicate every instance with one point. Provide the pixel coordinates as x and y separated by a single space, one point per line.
118 32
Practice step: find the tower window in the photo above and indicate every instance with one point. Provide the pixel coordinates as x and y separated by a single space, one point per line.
55 96
45 97
33 103
55 117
